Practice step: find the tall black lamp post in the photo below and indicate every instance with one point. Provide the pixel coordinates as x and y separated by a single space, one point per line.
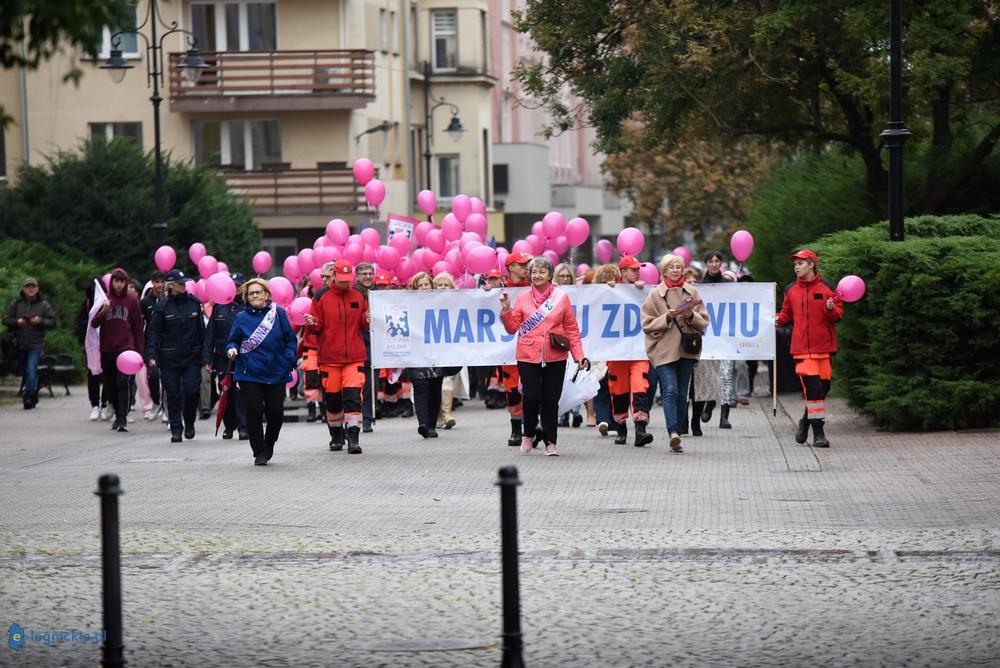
454 128
896 134
192 67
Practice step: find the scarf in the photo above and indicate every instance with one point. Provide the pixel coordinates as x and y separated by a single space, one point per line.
679 284
540 297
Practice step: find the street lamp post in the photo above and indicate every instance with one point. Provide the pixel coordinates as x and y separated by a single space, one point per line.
896 134
192 66
454 128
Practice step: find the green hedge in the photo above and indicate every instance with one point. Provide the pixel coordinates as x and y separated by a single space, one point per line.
62 275
920 352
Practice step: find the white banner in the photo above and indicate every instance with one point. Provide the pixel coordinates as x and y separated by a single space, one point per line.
463 328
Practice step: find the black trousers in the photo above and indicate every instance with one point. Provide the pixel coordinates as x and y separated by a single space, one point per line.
96 390
427 400
541 387
260 400
115 385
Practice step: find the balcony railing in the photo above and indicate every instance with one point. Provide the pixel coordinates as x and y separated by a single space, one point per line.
280 190
275 81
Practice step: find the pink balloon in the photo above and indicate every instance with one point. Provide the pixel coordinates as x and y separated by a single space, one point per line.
364 171
295 378
405 269
106 279
536 228
196 251
649 273
522 246
468 237
165 257
375 193
435 241
456 259
427 202
320 242
461 207
577 231
197 288
261 262
551 257
478 206
223 268
851 288
465 282
304 292
400 243
430 259
553 224
630 241
290 268
337 231
368 254
604 251
355 239
388 257
502 254
371 237
354 253
742 245
558 245
451 227
297 310
282 291
469 245
129 362
481 259
335 253
582 268
537 243
307 260
683 253
421 230
440 267
476 222
207 266
220 288
315 279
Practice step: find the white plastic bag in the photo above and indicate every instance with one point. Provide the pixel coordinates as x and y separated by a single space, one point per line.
578 386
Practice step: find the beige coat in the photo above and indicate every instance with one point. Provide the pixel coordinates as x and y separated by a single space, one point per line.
663 339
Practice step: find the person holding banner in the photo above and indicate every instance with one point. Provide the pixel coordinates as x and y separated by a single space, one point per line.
339 318
673 318
547 331
427 381
263 344
715 273
813 307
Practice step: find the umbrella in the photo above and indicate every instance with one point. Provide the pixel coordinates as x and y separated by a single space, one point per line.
225 384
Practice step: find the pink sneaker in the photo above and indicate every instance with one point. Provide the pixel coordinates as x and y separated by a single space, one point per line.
526 443
551 450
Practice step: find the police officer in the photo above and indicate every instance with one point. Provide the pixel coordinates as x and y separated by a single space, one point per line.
213 356
174 337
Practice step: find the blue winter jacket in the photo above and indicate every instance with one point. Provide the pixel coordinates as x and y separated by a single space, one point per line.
271 362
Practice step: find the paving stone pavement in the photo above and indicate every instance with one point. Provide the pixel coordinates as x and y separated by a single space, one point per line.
747 549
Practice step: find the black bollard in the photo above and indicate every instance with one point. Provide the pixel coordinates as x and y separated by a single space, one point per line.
512 642
112 649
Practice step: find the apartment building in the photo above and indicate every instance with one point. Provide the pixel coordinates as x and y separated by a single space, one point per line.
533 175
295 91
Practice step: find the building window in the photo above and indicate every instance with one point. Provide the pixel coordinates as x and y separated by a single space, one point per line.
500 179
383 30
484 42
128 42
278 247
415 38
232 26
448 182
444 40
108 131
236 144
3 156
394 32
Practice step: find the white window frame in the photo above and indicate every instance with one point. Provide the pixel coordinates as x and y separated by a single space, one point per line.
394 32
106 34
383 31
225 140
435 34
221 39
109 129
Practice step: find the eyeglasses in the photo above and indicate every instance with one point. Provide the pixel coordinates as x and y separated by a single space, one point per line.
326 277
365 274
255 293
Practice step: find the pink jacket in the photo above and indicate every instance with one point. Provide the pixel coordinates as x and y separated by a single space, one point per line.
535 346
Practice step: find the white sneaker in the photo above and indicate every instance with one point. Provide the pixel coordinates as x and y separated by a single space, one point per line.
95 413
106 413
147 415
130 418
164 418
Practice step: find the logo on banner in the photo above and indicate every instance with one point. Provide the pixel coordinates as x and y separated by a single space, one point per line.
397 330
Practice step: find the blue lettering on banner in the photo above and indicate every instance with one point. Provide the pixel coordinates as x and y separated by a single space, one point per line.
631 319
463 328
723 315
484 321
715 317
437 326
582 319
612 310
755 320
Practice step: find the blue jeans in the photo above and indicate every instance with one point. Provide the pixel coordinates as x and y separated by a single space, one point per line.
675 379
27 360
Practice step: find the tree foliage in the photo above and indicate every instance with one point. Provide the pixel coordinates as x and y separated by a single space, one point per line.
48 25
100 201
792 70
697 185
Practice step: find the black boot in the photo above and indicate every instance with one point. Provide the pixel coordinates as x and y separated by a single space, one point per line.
642 438
336 438
352 440
724 417
622 433
406 410
311 409
696 408
819 438
802 433
683 428
515 434
707 415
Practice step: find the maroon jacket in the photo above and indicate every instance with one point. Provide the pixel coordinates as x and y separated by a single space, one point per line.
340 319
121 325
813 328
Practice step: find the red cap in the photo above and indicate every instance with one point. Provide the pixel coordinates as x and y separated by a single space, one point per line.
343 268
382 279
629 262
805 254
517 258
493 273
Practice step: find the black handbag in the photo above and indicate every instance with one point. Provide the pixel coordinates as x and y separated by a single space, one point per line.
559 342
691 343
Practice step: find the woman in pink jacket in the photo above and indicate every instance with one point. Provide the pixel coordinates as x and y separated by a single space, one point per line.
547 332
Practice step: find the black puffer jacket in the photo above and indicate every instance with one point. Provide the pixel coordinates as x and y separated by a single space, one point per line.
176 332
29 337
217 334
